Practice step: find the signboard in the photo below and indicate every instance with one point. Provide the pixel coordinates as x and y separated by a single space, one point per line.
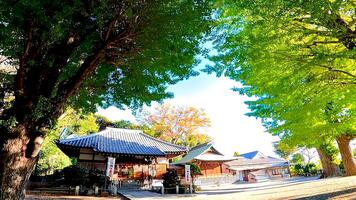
162 161
110 167
187 173
197 182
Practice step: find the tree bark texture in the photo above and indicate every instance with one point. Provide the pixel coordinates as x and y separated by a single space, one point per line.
329 168
40 94
346 155
18 155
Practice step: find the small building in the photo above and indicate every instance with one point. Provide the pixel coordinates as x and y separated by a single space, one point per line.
255 166
138 156
210 162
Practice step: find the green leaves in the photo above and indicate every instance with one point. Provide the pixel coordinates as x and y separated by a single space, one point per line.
101 53
77 122
293 59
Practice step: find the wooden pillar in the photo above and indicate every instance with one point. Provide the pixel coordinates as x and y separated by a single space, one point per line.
204 168
106 177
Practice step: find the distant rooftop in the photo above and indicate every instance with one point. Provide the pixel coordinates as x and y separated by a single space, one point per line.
204 152
255 160
253 154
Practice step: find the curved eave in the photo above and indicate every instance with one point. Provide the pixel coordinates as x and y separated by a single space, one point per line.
73 151
175 152
215 160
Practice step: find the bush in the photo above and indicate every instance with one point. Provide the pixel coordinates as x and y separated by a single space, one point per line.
299 169
74 175
310 169
170 180
341 166
195 170
96 177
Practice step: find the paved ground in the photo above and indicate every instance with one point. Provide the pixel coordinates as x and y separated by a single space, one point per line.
294 188
59 197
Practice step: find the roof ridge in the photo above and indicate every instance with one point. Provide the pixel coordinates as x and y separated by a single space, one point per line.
137 131
83 136
276 158
162 141
124 129
203 144
251 152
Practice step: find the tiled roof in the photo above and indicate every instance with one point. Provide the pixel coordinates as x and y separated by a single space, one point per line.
243 163
213 157
122 141
246 161
250 155
198 153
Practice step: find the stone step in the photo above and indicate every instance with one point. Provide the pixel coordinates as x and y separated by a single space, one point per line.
262 178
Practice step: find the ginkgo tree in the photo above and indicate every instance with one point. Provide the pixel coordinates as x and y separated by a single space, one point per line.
86 54
184 125
297 59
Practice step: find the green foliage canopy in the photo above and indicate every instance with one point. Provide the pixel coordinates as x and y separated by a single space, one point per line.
236 153
284 150
297 60
297 158
52 158
90 53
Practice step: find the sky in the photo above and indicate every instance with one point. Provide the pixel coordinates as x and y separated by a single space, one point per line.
230 128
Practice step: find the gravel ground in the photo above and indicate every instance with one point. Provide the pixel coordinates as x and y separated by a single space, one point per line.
294 188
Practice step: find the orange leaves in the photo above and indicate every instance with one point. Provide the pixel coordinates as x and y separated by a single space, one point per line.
183 125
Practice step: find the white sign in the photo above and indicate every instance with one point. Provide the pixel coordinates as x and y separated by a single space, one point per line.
187 173
162 161
110 167
197 182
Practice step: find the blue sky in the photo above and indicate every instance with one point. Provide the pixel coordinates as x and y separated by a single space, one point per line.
230 128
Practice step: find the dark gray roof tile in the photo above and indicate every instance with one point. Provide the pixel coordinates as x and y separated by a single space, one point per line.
122 141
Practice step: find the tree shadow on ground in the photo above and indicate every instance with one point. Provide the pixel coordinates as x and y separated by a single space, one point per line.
251 187
343 194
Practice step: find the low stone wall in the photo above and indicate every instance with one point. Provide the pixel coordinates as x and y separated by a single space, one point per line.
216 180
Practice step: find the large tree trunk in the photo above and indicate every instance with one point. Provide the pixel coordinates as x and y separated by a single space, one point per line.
346 154
329 167
18 156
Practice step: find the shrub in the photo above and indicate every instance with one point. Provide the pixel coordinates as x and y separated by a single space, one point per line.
299 169
195 170
310 169
74 175
170 180
96 177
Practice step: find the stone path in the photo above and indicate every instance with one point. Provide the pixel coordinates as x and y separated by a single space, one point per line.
294 188
143 195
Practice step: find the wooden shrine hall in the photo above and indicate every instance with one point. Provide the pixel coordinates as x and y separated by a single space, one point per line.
138 156
207 158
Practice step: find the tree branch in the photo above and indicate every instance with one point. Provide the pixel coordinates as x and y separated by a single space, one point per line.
20 76
338 70
89 65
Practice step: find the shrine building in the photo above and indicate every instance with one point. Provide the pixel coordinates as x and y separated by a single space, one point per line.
137 155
